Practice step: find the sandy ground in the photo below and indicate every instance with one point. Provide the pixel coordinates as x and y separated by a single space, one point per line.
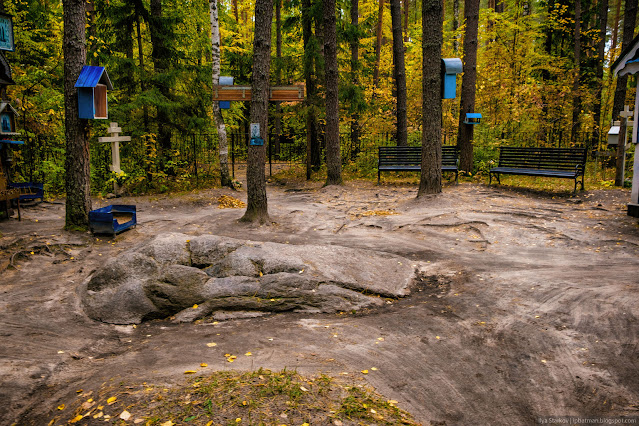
531 310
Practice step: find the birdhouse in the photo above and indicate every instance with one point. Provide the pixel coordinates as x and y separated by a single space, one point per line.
472 118
613 133
225 81
8 116
6 33
450 68
92 86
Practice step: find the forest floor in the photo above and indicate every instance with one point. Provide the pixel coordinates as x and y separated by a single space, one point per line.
531 310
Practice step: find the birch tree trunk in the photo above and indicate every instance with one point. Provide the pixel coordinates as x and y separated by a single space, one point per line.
77 162
225 178
257 207
430 181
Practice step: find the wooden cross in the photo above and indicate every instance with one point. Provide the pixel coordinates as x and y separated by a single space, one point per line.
115 140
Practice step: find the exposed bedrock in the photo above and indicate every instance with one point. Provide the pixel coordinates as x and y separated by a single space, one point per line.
193 277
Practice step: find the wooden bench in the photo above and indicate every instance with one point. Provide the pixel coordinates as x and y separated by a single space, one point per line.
409 158
566 163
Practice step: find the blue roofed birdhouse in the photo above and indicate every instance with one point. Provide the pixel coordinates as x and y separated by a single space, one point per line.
472 118
8 116
450 68
92 85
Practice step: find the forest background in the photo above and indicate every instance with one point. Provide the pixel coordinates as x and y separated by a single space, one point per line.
543 78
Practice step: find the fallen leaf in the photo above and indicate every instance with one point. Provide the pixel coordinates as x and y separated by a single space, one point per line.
167 423
209 423
437 337
364 371
210 345
112 400
136 421
76 419
204 364
248 354
190 372
61 407
97 416
374 368
303 389
195 306
125 415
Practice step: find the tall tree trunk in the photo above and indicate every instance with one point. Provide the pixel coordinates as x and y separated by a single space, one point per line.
615 29
256 206
89 8
225 177
77 163
576 92
430 181
145 109
406 7
629 20
236 13
455 26
278 76
312 139
467 104
160 55
333 154
601 46
378 45
399 73
355 74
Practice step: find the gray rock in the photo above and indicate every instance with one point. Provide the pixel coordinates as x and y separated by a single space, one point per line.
174 272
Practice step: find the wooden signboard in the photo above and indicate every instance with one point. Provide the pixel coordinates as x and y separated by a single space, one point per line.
243 93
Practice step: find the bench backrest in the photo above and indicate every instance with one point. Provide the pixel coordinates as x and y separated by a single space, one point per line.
567 159
412 155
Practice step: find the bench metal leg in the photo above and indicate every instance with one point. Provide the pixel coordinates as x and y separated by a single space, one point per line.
378 172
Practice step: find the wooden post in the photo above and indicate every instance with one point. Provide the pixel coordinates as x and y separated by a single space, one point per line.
621 147
115 140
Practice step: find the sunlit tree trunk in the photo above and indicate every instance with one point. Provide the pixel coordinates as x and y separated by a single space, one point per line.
77 163
257 207
225 177
378 44
601 45
576 92
399 73
430 181
455 25
333 154
467 104
355 68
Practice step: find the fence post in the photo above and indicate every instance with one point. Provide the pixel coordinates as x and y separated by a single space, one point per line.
233 154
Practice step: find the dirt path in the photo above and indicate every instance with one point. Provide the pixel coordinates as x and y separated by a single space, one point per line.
531 308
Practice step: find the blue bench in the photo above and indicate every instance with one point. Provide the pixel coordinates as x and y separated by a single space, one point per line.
112 219
29 190
409 158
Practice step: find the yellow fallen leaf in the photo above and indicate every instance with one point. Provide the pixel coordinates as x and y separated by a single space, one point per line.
61 407
248 354
238 420
79 391
305 424
97 416
32 253
227 355
204 364
125 415
112 400
190 372
374 368
136 421
303 389
168 423
195 306
210 345
76 419
437 337
210 421
244 402
364 371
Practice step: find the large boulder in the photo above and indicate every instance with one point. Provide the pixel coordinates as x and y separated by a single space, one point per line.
173 273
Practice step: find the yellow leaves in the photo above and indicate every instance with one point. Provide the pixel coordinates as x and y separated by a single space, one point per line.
195 306
125 415
111 400
228 202
61 407
168 423
303 389
212 344
238 420
248 354
204 364
190 372
231 358
209 423
364 371
76 419
437 337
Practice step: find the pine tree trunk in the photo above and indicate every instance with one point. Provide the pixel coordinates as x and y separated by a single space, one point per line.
355 75
333 154
430 181
160 56
576 92
601 46
378 45
77 163
455 26
468 89
278 76
225 177
312 141
615 29
406 7
257 207
399 73
629 20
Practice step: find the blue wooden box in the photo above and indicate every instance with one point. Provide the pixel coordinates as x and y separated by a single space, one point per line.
112 219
